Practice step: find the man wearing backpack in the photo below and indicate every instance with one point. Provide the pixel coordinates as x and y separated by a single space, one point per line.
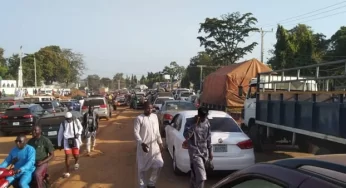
69 138
90 127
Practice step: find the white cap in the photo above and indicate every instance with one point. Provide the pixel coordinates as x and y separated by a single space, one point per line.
68 115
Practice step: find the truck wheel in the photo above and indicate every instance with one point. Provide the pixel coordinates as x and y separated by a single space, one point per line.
255 137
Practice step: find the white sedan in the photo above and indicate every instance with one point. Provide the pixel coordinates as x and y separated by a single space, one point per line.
232 149
159 101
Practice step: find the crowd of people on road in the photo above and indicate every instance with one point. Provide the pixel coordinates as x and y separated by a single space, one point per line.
29 159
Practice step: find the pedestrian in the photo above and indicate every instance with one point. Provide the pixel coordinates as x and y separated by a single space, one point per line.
22 157
198 140
149 146
90 127
69 138
44 153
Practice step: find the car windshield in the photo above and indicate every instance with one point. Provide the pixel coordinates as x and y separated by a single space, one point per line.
46 105
185 94
161 100
180 106
17 111
221 124
94 102
179 91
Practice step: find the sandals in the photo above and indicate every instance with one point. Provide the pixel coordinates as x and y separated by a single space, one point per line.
76 166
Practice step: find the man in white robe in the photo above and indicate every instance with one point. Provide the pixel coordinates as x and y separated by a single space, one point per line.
149 146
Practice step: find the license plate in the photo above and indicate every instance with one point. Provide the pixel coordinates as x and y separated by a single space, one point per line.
15 123
52 133
220 148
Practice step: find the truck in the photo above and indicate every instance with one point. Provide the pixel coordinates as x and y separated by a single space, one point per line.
301 106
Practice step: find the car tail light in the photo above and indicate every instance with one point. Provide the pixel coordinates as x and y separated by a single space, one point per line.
247 144
84 107
103 106
167 116
27 116
4 117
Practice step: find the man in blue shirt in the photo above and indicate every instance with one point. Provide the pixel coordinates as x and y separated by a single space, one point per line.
25 166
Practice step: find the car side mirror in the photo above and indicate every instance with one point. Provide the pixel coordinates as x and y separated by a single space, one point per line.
240 91
166 123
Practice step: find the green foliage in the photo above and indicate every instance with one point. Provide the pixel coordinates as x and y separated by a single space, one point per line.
225 38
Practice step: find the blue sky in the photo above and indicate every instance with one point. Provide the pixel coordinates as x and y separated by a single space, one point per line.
137 36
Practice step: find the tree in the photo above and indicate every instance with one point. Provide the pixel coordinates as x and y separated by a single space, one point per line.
143 80
338 44
3 65
192 73
13 64
106 82
225 36
298 47
174 70
75 63
93 82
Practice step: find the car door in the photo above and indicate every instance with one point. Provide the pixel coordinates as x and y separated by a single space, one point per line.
176 138
169 130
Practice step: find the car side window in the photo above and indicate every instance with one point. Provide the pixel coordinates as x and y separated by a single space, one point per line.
174 120
256 182
177 125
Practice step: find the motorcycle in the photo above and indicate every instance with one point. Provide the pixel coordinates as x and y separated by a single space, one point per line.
4 173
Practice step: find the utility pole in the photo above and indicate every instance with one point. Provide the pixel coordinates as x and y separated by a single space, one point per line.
201 76
262 42
35 71
118 84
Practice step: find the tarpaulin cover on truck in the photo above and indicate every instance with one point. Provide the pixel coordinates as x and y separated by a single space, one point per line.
221 86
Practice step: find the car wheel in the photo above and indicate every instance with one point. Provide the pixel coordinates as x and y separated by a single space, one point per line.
176 170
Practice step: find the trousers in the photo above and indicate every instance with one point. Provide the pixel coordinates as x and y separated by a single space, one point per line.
39 174
155 172
24 179
196 179
90 140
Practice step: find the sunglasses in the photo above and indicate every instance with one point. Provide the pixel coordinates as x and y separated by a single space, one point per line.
18 141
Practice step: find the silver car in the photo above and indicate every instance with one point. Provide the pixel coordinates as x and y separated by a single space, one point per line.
101 106
169 109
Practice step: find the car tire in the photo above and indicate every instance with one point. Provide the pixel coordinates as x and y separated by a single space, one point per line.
176 170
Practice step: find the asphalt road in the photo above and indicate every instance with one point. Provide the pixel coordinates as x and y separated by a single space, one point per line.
113 164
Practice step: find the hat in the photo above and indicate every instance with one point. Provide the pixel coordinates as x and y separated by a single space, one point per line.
202 111
68 115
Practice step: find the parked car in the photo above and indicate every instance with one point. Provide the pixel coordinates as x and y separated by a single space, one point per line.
34 99
74 105
120 100
21 118
169 109
52 106
6 102
232 148
192 98
318 171
50 124
101 106
159 101
184 95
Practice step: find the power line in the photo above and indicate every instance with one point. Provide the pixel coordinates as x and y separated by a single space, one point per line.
302 15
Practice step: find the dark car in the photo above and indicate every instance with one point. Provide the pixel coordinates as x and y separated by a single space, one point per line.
6 102
50 124
74 105
20 118
52 106
319 171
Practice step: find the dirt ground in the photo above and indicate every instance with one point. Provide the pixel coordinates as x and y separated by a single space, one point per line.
113 164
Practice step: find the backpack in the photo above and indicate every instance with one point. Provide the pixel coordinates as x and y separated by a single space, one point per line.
90 122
